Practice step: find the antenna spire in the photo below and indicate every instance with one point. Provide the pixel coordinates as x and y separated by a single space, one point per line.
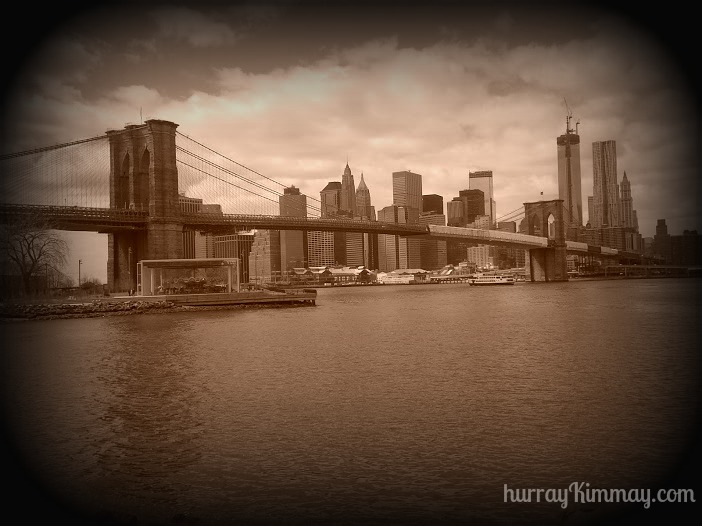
569 116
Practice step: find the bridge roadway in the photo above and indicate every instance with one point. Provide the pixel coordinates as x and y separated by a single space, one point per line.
106 220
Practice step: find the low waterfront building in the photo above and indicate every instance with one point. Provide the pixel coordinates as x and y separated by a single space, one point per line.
407 276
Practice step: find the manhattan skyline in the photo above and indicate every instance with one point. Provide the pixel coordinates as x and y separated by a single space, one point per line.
295 90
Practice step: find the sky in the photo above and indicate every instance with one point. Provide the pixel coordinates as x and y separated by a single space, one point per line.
295 90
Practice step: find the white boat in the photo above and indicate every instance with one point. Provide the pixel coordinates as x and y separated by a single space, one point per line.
492 279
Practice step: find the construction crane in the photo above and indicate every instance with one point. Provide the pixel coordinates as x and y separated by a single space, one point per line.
568 117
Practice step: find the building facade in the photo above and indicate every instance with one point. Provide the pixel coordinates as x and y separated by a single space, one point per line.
348 191
568 148
364 208
264 257
395 251
627 214
432 203
432 252
605 187
236 246
407 190
482 180
293 243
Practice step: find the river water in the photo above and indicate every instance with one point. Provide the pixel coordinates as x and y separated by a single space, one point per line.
379 405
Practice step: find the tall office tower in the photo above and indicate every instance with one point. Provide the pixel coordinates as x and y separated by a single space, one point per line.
627 214
236 246
321 244
662 242
473 204
480 256
348 191
293 243
432 203
483 181
605 187
264 258
507 256
407 195
330 198
354 249
590 210
568 146
407 190
454 212
432 252
395 251
364 209
320 249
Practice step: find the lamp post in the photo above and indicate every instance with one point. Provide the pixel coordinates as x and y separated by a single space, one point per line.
80 262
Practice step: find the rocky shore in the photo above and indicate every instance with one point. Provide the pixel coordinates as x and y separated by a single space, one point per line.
100 308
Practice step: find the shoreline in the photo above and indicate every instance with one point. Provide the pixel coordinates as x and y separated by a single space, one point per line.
18 312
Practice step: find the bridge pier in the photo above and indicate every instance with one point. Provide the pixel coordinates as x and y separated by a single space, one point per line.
143 175
547 264
124 250
545 218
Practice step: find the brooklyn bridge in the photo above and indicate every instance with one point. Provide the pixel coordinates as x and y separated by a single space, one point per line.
127 184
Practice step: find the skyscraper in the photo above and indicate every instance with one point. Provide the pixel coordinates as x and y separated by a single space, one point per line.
627 214
473 204
320 248
330 198
568 146
407 196
432 251
293 243
432 203
348 191
482 180
407 190
264 257
395 251
364 209
605 187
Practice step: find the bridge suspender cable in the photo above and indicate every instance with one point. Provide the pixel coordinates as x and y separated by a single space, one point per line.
228 182
238 164
254 183
49 148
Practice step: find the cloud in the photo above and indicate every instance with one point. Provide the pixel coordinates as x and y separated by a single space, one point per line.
193 27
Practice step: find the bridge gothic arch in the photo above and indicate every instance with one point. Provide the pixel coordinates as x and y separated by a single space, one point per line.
121 199
141 182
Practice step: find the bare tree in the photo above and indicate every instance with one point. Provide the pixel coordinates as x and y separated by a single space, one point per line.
31 248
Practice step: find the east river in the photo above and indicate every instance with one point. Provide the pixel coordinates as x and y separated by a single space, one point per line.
379 405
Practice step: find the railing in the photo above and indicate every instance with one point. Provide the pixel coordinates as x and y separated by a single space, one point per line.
73 213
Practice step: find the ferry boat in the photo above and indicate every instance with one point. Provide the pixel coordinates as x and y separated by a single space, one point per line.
492 279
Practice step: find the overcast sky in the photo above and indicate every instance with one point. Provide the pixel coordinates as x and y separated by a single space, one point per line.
294 89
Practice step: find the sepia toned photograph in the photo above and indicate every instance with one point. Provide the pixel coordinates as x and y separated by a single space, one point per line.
344 263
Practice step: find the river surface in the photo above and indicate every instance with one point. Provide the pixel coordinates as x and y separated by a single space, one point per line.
379 405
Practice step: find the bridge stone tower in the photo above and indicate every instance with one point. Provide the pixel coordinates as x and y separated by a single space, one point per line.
143 176
546 218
